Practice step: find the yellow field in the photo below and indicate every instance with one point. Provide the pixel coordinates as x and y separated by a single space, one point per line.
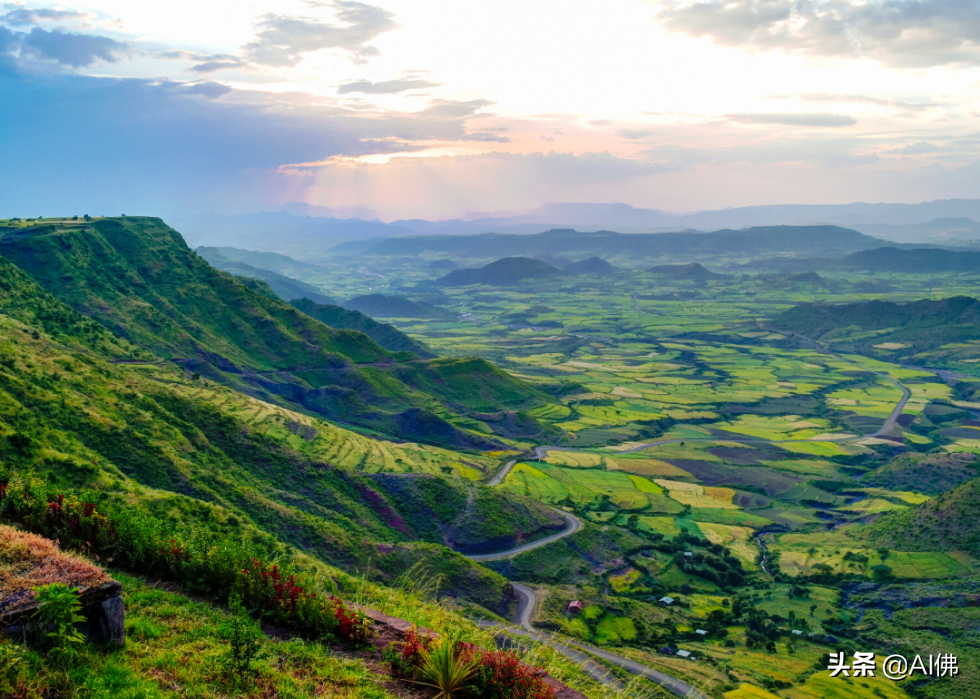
573 459
646 467
737 539
699 495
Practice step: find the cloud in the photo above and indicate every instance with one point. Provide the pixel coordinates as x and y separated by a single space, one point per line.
830 152
634 134
75 50
902 33
829 120
826 97
919 148
211 90
485 138
384 88
25 16
285 40
454 108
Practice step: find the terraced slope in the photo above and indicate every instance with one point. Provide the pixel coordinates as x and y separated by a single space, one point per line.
137 277
79 408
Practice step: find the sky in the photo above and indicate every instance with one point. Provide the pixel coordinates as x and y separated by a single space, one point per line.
440 108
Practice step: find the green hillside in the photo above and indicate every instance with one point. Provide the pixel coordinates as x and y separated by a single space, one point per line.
388 336
505 272
280 264
137 277
946 523
284 287
380 305
592 265
188 450
693 271
902 328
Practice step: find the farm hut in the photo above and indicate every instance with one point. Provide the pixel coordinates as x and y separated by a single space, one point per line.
796 632
574 607
666 650
666 601
700 632
683 654
688 554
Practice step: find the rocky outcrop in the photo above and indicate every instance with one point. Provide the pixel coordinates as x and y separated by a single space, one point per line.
102 607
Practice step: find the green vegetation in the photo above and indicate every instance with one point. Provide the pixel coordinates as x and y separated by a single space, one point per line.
722 441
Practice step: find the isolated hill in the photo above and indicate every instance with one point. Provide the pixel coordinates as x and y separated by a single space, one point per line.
946 523
593 265
757 242
384 306
505 272
285 288
388 336
920 324
137 276
693 271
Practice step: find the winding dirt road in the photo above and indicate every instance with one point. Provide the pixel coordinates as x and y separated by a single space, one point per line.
580 652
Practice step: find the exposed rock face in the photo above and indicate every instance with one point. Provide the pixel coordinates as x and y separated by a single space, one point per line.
105 615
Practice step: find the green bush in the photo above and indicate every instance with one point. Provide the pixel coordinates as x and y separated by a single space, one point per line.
58 611
197 558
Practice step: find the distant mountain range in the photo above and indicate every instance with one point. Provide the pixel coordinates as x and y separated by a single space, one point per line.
299 225
754 242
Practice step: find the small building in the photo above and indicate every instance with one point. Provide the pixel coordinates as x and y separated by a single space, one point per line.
666 601
688 554
666 650
796 632
683 654
574 607
700 632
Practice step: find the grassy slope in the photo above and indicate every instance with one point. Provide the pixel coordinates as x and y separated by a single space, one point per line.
946 523
388 336
284 287
150 433
137 276
923 323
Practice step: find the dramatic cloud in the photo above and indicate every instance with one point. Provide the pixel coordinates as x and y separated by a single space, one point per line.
384 88
285 40
905 33
820 120
75 50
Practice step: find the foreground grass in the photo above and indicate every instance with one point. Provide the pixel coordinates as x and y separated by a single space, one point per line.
175 647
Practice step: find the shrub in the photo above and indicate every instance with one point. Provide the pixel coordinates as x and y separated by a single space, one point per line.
199 559
59 609
489 674
448 667
244 637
